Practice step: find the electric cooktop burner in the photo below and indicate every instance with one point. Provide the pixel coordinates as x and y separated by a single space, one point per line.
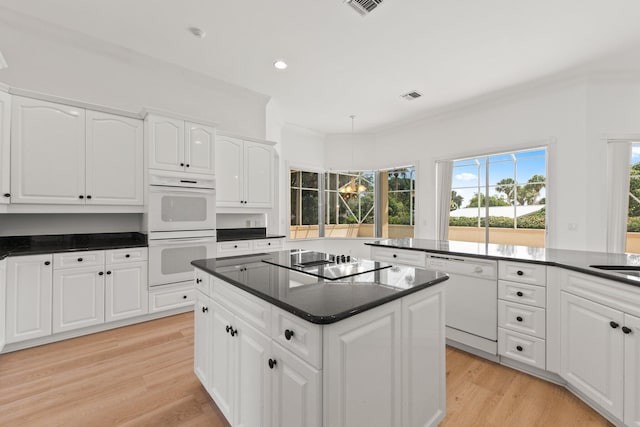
327 266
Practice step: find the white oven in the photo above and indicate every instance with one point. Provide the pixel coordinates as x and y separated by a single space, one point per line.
171 253
177 203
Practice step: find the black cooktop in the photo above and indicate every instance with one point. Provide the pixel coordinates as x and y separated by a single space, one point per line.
327 266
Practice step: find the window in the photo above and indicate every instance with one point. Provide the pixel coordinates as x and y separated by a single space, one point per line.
633 215
351 204
500 198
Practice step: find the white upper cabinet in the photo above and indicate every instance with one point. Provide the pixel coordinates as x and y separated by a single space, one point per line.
199 148
114 160
176 145
47 152
245 173
5 120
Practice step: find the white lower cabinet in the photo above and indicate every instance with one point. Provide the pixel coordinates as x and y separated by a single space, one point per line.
384 367
3 299
28 297
632 370
78 298
125 291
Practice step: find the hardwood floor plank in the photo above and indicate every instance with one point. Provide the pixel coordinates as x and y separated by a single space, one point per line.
142 375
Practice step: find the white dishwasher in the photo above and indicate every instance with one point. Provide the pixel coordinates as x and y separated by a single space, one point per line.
471 300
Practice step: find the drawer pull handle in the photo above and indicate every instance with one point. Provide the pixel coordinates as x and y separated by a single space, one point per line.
626 330
100 273
47 263
519 348
269 243
272 363
79 259
228 328
519 318
235 246
520 273
288 334
395 256
108 272
231 331
519 293
613 324
205 309
7 194
184 297
127 256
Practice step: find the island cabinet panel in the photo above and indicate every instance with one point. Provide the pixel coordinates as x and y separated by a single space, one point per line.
632 371
222 356
202 345
362 369
423 360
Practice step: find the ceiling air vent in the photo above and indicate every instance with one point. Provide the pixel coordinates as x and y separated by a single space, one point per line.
411 95
363 7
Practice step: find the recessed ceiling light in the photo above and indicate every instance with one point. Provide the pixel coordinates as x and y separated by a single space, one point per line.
280 64
198 32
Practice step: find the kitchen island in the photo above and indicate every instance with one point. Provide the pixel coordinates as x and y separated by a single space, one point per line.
300 338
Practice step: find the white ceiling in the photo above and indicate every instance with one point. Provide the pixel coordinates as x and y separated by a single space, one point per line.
342 64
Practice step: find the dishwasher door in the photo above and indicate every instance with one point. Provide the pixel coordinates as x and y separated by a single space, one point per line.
471 300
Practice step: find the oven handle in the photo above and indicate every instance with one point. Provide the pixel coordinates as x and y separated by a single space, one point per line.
166 189
181 241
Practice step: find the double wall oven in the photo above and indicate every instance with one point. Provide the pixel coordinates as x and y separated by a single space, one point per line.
181 222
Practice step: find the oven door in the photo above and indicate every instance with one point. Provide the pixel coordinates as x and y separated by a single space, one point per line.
177 209
170 259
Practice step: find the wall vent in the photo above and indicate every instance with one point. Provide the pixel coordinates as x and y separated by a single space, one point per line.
411 95
363 7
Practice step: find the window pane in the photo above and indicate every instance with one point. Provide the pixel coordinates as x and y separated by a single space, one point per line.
310 180
633 215
309 207
398 204
295 178
295 220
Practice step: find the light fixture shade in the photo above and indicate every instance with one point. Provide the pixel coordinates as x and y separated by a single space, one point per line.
3 63
361 188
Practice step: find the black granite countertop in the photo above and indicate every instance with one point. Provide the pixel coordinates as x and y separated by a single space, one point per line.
311 298
253 233
46 244
580 261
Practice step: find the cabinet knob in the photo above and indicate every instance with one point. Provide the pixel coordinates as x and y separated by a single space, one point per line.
100 273
395 256
184 297
626 330
89 196
79 259
228 328
613 324
108 272
235 246
205 309
520 273
272 363
519 348
81 197
269 244
188 165
127 256
181 164
519 318
519 293
47 263
7 194
233 332
198 280
288 334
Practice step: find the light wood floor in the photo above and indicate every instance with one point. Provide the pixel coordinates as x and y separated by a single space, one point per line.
143 375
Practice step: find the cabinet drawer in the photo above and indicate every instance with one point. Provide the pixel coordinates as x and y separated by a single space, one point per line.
231 248
522 293
78 259
522 318
268 244
298 336
171 296
116 256
521 347
399 256
249 308
522 272
202 281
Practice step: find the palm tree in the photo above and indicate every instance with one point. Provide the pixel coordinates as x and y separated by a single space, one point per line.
508 187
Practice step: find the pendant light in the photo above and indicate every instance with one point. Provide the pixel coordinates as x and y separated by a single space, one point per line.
352 189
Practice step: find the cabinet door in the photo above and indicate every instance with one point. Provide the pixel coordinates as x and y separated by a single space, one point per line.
253 394
3 301
297 391
586 329
126 291
259 175
166 143
28 297
632 371
5 117
199 148
229 162
202 340
222 356
423 358
114 160
47 152
78 298
353 349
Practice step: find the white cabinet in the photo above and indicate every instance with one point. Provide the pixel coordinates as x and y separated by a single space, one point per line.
592 355
68 155
114 159
78 298
632 370
28 297
125 290
222 357
5 160
47 152
244 173
176 145
244 247
202 342
3 301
